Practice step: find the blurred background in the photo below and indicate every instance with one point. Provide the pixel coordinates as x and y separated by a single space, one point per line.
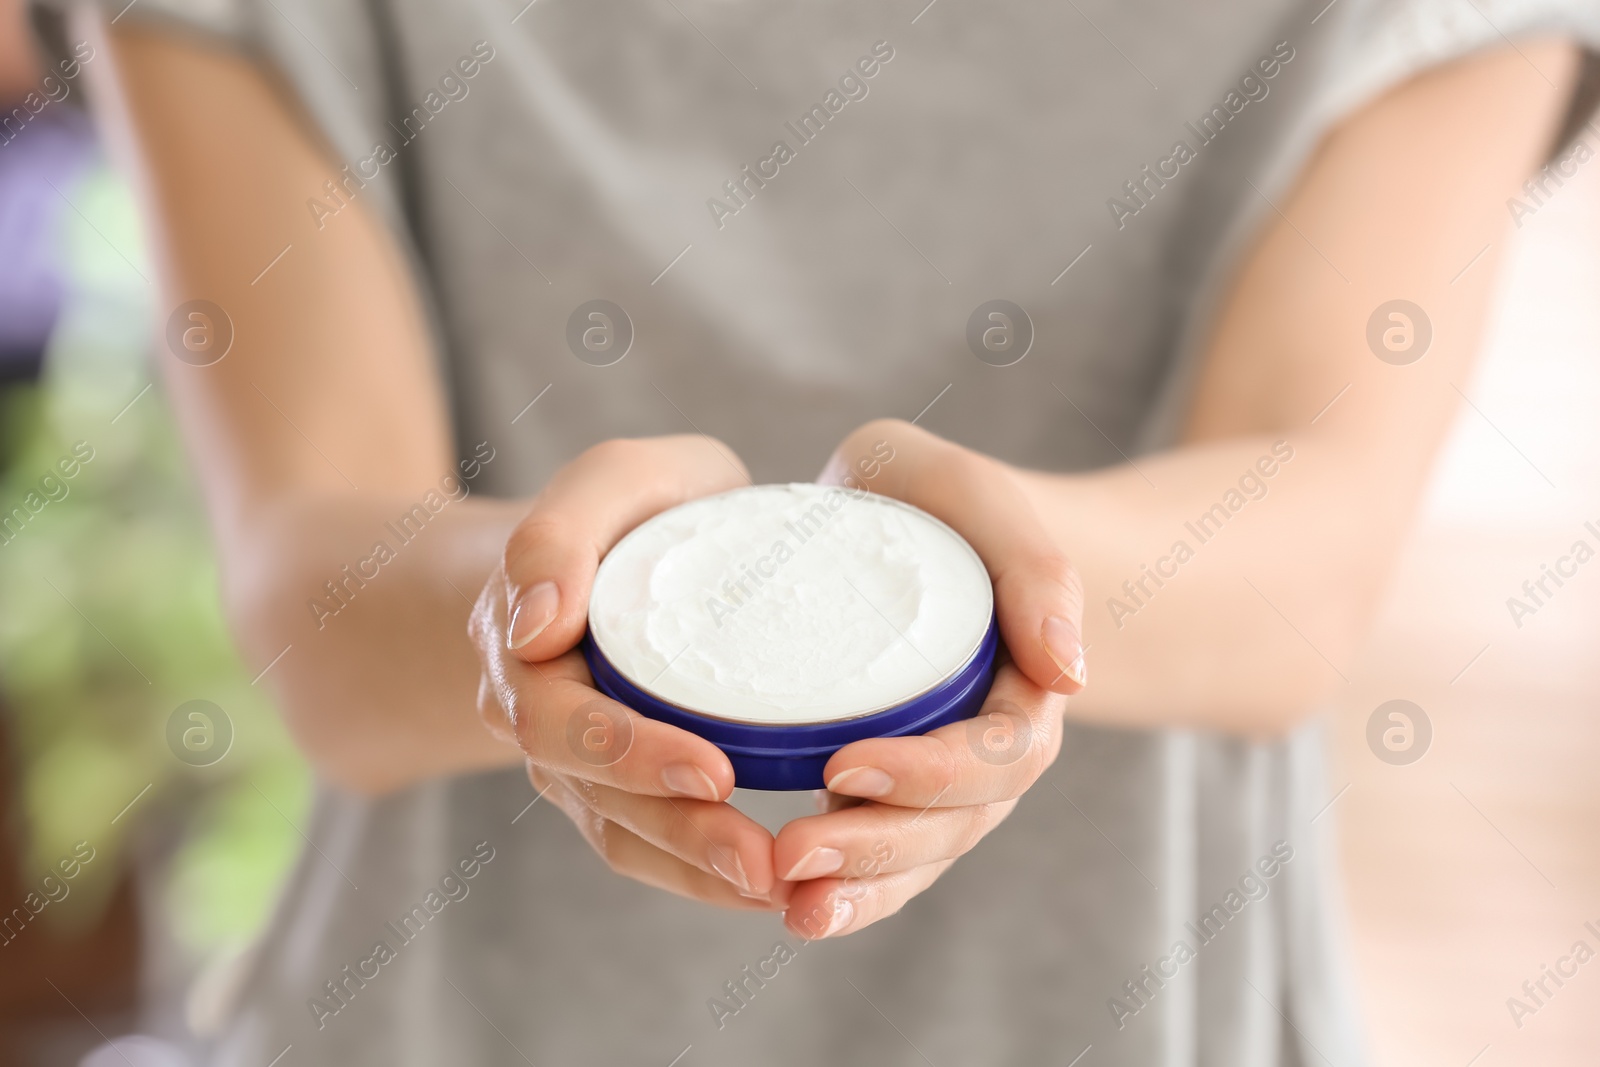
1472 860
108 624
1470 869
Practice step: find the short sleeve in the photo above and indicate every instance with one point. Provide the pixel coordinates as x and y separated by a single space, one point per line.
1350 53
1379 43
226 21
336 60
330 56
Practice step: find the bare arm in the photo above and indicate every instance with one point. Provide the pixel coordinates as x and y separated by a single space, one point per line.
1304 454
1273 607
322 423
323 427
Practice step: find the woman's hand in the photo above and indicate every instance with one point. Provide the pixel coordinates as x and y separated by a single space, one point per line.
927 800
648 797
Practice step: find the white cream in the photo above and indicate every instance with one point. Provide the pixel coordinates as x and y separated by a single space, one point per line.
783 604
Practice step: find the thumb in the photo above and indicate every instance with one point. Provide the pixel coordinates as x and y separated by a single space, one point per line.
1038 593
552 555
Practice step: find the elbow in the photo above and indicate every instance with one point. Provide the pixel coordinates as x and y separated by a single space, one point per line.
288 645
1298 670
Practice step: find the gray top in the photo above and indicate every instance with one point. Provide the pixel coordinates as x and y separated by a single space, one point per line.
978 151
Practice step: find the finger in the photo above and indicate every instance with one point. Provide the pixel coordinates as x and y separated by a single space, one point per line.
550 558
717 838
1038 594
628 854
576 731
563 724
996 755
833 907
875 839
491 714
826 801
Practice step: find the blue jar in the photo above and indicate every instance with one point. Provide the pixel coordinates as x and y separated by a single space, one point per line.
782 622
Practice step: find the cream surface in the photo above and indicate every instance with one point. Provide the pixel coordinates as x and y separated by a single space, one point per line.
790 603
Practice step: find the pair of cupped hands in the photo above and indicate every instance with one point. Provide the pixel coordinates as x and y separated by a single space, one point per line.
897 811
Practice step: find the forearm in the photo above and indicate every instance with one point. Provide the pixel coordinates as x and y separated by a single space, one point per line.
318 429
1231 590
367 606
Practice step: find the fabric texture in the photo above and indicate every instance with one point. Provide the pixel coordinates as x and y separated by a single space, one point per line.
1023 151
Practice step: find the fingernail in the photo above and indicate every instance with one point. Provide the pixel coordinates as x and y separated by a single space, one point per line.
730 870
816 863
685 779
861 782
1063 647
843 913
535 609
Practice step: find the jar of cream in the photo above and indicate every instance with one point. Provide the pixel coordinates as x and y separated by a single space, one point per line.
782 622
